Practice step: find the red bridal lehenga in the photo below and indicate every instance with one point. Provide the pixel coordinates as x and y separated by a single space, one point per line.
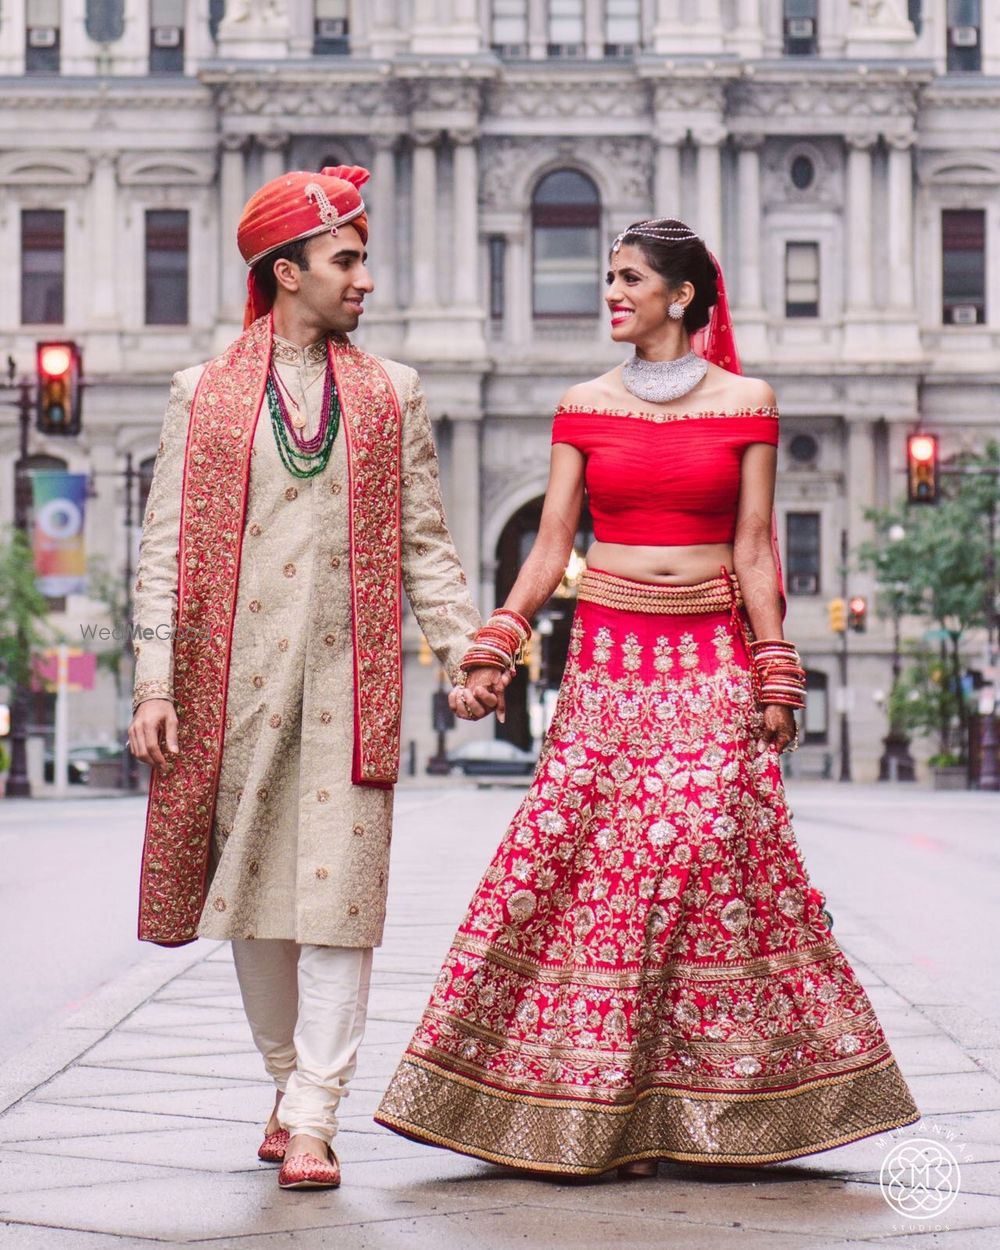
645 970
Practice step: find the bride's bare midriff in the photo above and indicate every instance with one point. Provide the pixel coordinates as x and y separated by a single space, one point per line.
676 566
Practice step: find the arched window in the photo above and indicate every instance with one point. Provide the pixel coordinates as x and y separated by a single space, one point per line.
565 224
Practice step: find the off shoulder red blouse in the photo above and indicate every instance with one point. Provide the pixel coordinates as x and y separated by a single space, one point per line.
664 480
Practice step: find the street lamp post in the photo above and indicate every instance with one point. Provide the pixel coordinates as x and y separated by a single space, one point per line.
845 724
18 783
896 762
988 777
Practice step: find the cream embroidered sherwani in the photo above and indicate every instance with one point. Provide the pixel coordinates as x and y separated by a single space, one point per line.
299 852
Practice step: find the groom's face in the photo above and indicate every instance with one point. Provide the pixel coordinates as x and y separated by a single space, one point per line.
334 286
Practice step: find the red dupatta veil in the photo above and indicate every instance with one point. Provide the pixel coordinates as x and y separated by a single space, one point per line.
716 343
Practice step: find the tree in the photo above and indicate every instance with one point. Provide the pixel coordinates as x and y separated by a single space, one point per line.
934 563
24 627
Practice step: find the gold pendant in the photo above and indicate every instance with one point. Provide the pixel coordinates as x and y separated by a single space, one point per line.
299 421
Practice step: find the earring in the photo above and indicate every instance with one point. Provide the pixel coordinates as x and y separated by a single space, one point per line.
676 311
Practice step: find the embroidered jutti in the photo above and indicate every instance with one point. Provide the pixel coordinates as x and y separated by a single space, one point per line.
645 970
275 819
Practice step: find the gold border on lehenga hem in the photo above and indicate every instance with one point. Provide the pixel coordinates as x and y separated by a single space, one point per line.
549 1135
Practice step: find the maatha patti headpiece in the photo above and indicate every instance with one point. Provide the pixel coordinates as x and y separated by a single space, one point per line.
662 229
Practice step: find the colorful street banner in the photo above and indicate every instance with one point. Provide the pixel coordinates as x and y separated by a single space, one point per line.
60 560
81 668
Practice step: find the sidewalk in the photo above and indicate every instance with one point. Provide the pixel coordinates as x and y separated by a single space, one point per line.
137 1124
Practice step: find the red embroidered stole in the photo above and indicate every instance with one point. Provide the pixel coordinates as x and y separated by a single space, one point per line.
223 419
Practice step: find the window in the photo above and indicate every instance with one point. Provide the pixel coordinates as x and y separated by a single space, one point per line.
815 718
565 221
509 30
331 28
802 172
566 28
915 12
801 279
498 256
216 12
965 54
43 264
105 20
622 27
800 27
802 552
166 37
803 449
963 254
41 37
166 267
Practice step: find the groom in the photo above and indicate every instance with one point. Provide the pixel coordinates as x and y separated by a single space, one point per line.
295 493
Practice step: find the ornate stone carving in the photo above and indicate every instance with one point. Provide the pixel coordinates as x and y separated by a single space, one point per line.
283 98
777 188
445 95
255 13
870 100
622 168
621 97
882 13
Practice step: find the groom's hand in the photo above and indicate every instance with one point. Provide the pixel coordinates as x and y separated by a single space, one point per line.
482 693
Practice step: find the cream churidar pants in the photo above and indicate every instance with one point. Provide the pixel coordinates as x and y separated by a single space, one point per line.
307 1007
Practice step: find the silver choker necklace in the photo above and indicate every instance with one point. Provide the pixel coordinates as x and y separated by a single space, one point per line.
659 381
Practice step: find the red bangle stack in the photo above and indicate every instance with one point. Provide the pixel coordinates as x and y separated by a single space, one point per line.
499 643
778 673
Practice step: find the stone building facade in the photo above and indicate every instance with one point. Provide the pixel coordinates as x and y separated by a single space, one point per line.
840 156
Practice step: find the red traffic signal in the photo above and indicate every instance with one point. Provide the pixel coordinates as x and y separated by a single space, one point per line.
58 369
922 468
857 614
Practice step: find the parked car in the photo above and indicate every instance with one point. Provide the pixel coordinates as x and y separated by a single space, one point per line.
80 760
493 757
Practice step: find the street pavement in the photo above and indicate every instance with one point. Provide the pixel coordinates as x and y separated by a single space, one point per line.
133 1120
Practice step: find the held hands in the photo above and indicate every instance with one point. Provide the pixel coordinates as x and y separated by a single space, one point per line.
154 726
779 732
482 693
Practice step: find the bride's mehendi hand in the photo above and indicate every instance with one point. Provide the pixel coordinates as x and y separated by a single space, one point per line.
779 726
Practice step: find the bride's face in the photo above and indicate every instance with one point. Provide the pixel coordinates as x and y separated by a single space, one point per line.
638 298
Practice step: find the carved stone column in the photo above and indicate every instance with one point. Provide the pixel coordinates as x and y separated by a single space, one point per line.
709 225
593 29
465 220
748 199
104 237
748 37
667 174
423 234
272 163
232 197
381 195
538 29
463 515
900 224
517 303
859 222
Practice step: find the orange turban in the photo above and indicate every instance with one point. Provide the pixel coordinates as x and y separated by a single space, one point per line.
297 206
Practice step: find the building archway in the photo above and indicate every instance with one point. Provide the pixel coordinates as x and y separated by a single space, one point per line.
537 681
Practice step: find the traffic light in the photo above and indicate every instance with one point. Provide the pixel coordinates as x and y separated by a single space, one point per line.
858 614
922 468
58 366
837 611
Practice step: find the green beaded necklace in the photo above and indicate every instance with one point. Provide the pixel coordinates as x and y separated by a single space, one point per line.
304 458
